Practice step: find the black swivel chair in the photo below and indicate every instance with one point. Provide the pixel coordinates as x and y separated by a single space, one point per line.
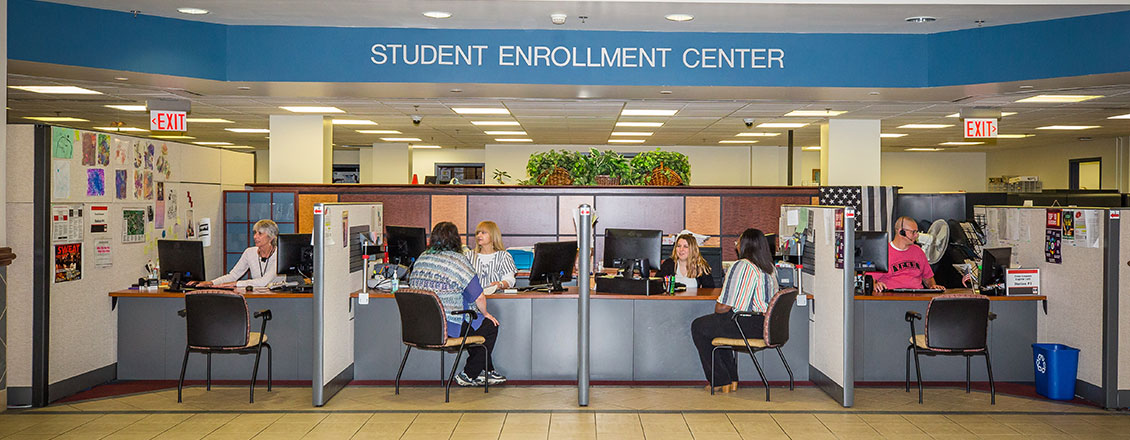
774 335
423 325
956 325
218 322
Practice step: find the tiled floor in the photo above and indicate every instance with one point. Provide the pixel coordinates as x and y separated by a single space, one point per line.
544 412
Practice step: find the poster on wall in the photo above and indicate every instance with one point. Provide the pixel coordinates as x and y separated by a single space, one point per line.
99 219
839 250
344 228
1068 222
121 183
133 225
148 184
95 182
189 228
159 215
137 158
68 262
205 231
89 149
60 179
103 149
1053 246
66 223
62 142
149 151
102 256
120 154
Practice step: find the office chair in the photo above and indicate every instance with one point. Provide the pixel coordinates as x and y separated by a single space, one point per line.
218 322
774 335
423 325
956 325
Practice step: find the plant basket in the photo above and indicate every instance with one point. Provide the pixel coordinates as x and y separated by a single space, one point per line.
558 177
605 180
663 176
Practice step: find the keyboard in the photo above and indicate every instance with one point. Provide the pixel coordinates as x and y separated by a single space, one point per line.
915 290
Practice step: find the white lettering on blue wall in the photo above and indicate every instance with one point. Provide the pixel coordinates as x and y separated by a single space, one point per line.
572 56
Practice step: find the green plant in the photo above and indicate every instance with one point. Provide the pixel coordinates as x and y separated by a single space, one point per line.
541 164
608 163
645 162
499 175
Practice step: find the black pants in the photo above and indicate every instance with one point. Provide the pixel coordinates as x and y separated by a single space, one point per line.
476 359
721 325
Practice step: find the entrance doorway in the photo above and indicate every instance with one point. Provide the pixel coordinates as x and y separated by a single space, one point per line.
1085 173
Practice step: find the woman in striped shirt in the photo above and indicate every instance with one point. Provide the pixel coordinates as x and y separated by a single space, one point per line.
747 287
493 264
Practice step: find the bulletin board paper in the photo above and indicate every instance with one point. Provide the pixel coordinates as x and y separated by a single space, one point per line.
66 223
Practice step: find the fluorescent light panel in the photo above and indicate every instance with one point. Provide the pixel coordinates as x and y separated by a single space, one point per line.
55 119
505 133
755 134
642 112
437 14
1126 116
513 140
127 129
57 90
400 139
639 124
312 109
626 141
495 123
961 143
891 135
1060 98
248 130
632 133
480 110
353 122
958 115
815 113
782 125
924 149
1067 127
1013 136
737 141
209 121
379 131
425 147
212 143
816 148
127 107
926 126
172 136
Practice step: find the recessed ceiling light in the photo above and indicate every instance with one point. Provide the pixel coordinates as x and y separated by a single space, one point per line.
626 141
891 135
480 110
456 90
1126 116
243 88
632 133
815 148
353 122
921 19
924 149
639 124
312 109
437 14
494 123
57 90
209 121
239 147
926 126
755 134
192 11
513 140
782 125
55 119
400 139
212 143
958 115
679 17
815 113
1067 127
505 133
424 147
121 78
665 92
961 143
1013 136
1059 98
248 130
172 136
738 141
127 129
644 112
127 107
379 131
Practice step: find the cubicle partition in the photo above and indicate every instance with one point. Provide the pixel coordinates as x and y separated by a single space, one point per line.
337 227
1119 321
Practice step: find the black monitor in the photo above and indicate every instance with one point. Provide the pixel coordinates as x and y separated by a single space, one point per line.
993 263
772 240
553 263
871 251
621 245
181 261
295 255
405 244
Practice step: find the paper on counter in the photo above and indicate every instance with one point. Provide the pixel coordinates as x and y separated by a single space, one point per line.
490 289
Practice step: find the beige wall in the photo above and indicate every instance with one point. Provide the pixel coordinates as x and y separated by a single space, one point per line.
347 157
934 172
262 166
1050 163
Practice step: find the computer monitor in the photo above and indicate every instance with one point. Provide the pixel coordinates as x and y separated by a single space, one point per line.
295 255
993 263
553 263
405 244
871 251
632 244
772 240
181 261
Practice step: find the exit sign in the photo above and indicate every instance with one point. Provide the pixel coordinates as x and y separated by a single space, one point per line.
980 128
166 120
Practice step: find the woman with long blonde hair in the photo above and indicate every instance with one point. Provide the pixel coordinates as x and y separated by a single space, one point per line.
687 265
494 265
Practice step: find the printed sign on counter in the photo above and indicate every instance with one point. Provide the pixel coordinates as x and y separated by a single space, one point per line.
1022 281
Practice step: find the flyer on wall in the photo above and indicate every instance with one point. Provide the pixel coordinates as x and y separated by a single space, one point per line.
68 262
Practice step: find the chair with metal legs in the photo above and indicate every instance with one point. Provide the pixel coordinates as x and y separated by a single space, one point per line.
423 325
775 334
956 325
217 321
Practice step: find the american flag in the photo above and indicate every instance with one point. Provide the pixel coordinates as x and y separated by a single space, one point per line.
874 204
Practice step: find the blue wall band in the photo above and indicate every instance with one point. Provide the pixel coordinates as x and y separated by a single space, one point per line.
86 37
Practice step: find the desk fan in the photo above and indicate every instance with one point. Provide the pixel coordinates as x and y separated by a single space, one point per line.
935 240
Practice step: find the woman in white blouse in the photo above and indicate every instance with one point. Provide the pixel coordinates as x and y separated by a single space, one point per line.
493 264
258 261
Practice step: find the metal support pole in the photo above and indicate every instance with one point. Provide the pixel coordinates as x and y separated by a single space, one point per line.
584 236
790 172
849 307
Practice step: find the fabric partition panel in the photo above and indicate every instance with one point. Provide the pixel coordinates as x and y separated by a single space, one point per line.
1123 321
333 284
830 353
1074 287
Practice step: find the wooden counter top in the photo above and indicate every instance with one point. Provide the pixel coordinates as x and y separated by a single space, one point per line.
161 293
571 292
928 296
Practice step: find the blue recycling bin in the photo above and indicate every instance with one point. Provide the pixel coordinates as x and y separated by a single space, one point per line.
1056 366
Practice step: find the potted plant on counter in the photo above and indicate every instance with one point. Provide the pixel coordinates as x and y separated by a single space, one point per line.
662 168
608 168
551 168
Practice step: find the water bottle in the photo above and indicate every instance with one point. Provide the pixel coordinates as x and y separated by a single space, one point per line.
395 283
